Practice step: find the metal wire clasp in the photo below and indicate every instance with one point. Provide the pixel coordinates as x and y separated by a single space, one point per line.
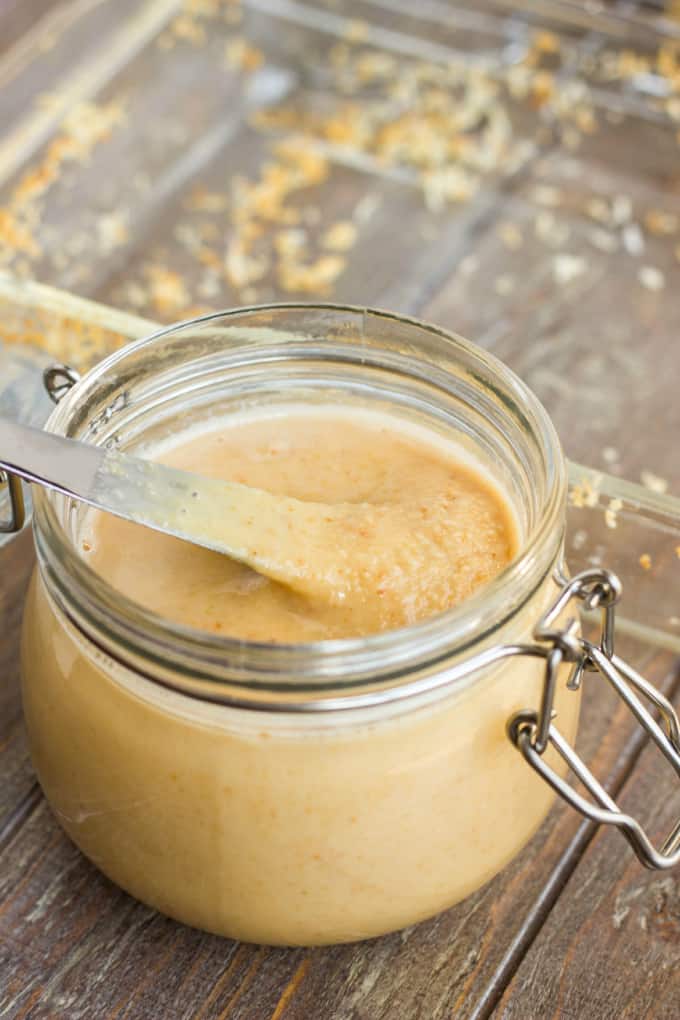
532 732
57 380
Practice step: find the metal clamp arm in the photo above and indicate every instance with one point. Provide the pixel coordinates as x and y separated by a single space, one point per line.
532 732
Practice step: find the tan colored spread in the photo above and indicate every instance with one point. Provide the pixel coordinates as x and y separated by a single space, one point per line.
411 530
275 827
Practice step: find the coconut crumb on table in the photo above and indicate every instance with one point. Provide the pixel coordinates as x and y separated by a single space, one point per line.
188 29
568 267
504 285
546 194
659 222
651 278
357 30
549 230
598 209
603 240
240 55
511 236
633 240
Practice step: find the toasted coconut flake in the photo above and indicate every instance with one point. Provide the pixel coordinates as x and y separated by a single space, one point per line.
290 243
568 267
603 240
16 237
651 278
167 290
511 236
621 210
356 30
315 278
545 194
550 230
239 55
655 483
442 187
112 231
201 200
633 241
611 513
340 236
84 127
661 223
584 494
598 209
188 29
545 41
468 265
504 285
242 269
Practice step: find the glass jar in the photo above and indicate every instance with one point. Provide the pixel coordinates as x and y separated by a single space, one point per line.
299 794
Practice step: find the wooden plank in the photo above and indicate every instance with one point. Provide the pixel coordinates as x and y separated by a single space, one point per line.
84 948
611 946
17 17
70 941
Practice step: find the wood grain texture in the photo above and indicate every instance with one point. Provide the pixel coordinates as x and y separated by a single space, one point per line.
17 18
593 345
144 217
610 948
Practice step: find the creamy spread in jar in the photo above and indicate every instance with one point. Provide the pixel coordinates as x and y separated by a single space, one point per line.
194 732
461 531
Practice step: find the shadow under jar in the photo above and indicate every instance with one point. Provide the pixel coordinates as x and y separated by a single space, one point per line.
296 794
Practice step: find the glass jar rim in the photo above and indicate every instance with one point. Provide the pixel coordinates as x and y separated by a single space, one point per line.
316 674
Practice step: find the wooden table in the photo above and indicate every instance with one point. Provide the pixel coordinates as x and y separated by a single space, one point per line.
508 170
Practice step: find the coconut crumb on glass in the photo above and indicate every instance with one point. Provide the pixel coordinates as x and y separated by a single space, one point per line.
584 494
340 236
655 483
611 513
